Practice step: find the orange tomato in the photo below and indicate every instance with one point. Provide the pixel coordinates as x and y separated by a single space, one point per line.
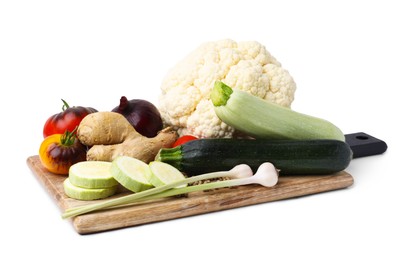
60 151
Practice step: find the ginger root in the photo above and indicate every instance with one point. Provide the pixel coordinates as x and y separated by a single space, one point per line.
110 135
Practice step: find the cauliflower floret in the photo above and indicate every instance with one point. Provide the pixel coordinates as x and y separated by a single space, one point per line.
184 102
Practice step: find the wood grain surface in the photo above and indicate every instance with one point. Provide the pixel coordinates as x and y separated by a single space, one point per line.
194 204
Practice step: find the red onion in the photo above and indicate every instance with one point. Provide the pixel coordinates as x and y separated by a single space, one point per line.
142 115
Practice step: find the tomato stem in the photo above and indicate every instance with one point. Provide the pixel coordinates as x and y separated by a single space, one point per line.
68 138
65 105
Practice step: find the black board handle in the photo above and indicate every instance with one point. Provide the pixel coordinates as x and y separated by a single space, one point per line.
363 144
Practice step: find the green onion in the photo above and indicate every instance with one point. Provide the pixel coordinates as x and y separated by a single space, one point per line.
266 175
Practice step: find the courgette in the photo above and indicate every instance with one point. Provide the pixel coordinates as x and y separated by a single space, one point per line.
131 173
262 119
80 193
289 156
92 175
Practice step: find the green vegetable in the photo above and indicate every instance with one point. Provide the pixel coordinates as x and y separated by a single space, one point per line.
262 119
267 175
163 173
289 156
79 193
90 180
131 173
92 175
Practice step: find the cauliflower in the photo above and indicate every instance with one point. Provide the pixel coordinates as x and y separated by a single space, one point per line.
184 102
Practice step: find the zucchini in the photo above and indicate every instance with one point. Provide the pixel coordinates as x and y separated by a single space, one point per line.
79 193
131 173
262 119
289 156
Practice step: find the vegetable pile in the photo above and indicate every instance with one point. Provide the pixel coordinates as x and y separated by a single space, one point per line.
224 112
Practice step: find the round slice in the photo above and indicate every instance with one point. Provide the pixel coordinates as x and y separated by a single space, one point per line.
92 175
79 193
132 173
163 173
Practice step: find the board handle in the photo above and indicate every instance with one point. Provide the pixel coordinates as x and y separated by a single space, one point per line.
363 145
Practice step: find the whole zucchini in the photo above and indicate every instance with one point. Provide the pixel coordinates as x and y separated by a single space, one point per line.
262 119
289 156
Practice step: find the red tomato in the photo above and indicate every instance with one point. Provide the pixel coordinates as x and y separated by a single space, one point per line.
67 120
184 139
58 152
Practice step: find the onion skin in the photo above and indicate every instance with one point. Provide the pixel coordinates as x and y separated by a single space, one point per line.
142 115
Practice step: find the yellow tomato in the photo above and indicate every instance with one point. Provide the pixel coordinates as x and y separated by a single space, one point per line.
60 151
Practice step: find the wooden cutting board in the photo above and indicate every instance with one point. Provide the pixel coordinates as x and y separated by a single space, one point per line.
194 204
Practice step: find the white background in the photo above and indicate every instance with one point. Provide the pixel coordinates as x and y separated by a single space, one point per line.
351 61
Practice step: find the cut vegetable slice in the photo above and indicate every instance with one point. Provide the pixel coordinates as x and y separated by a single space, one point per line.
92 175
163 173
132 173
79 193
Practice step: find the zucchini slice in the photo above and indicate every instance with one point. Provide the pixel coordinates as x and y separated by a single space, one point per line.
163 174
92 175
131 173
79 193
